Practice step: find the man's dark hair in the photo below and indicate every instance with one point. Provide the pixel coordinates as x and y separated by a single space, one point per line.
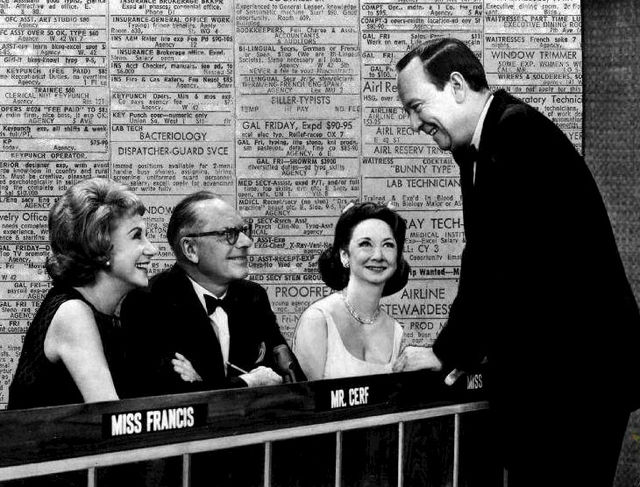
184 219
441 57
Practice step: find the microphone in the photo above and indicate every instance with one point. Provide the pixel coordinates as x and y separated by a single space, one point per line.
287 365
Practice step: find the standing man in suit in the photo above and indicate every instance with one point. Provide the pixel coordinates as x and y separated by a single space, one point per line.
201 325
543 294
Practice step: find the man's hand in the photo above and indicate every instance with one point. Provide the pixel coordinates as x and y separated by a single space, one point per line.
453 376
261 376
184 369
417 358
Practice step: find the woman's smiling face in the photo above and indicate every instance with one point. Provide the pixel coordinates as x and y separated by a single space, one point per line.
131 251
372 252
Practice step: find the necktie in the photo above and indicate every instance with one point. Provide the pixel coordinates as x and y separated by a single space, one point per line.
466 159
212 303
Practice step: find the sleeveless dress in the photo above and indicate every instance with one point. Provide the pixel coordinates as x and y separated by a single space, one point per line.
39 382
341 363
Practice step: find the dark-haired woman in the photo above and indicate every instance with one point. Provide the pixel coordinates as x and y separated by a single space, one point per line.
347 333
72 351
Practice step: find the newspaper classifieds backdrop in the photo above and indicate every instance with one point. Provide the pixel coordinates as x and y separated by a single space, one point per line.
288 108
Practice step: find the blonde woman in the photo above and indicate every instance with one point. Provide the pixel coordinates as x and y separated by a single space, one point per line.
73 349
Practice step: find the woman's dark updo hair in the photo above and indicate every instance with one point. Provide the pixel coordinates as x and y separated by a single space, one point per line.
80 228
331 269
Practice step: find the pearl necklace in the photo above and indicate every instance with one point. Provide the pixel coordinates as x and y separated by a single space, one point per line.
356 316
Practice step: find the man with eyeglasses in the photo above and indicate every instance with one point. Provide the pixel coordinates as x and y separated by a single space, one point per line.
201 325
206 326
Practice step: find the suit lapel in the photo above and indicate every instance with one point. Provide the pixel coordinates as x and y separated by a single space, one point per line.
501 99
466 158
187 300
246 348
195 324
474 188
466 187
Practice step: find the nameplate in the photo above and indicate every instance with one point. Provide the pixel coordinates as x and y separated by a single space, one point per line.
416 387
350 393
473 381
349 397
133 423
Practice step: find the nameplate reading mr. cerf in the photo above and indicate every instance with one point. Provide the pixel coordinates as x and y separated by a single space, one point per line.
352 396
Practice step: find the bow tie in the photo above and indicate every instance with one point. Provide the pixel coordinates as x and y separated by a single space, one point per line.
213 302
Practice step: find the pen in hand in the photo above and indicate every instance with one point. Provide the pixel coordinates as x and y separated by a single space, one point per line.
242 371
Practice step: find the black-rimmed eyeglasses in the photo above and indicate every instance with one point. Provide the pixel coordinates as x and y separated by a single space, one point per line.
231 234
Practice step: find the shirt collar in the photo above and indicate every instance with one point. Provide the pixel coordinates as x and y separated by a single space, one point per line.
475 140
201 292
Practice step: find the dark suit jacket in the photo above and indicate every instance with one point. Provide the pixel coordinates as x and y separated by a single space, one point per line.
542 293
168 317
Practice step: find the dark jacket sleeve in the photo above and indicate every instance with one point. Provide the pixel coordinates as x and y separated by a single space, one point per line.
520 197
152 344
279 355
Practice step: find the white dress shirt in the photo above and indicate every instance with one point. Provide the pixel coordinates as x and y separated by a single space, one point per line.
475 140
219 321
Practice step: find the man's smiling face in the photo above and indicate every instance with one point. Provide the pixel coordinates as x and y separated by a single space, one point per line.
220 261
430 110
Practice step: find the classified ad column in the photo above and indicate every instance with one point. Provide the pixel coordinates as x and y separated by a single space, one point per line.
172 96
54 133
408 169
536 54
297 138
